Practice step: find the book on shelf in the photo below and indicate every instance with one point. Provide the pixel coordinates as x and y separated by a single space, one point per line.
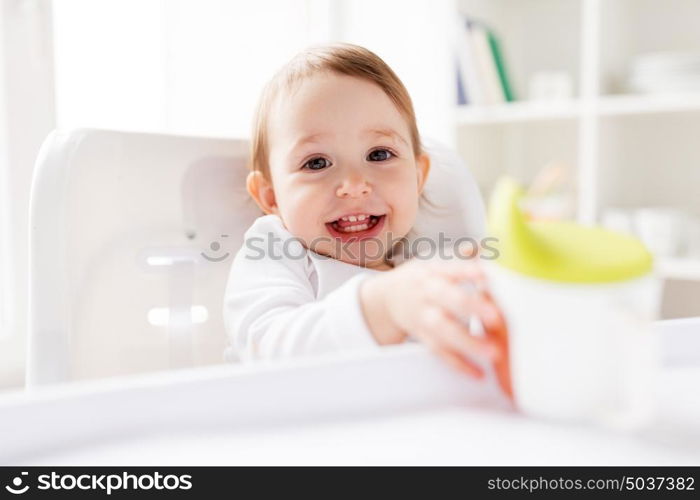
461 91
482 78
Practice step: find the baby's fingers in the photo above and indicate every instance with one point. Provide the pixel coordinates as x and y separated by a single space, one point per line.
494 323
439 325
455 360
461 364
497 331
462 303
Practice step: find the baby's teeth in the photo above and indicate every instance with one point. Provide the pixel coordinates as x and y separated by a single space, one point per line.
352 218
355 228
344 218
361 217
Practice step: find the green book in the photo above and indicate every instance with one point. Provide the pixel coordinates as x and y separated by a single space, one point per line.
500 66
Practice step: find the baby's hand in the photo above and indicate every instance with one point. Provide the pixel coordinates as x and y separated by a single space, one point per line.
428 301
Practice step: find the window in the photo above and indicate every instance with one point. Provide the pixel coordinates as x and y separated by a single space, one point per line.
174 66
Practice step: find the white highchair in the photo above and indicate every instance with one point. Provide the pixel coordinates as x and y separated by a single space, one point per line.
131 241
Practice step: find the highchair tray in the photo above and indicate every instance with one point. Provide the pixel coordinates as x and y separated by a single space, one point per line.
400 405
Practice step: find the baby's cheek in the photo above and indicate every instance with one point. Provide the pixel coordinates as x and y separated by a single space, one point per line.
306 219
407 209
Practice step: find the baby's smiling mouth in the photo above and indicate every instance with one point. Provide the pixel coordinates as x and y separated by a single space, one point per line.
355 223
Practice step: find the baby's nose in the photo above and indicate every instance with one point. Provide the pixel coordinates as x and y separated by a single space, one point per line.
353 186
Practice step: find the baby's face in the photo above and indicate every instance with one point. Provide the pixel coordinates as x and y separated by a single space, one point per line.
344 175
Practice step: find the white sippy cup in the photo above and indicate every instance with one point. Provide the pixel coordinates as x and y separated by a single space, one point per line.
579 302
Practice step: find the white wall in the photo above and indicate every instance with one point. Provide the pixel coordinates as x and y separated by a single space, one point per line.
197 67
175 66
413 37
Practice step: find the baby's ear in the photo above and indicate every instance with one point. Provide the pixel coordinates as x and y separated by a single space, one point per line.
422 170
261 190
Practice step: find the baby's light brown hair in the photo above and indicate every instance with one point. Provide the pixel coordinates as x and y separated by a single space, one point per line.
343 59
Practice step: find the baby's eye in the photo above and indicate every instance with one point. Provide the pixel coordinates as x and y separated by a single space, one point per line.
318 163
380 155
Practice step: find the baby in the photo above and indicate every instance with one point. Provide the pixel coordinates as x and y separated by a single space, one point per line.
338 168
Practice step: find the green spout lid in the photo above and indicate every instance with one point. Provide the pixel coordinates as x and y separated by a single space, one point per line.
560 251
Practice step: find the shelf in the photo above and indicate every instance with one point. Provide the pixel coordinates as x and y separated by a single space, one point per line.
518 111
635 104
611 105
679 269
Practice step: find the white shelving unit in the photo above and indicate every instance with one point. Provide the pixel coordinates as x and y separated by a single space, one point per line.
610 105
518 111
622 150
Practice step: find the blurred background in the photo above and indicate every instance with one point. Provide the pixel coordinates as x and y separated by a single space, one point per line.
593 104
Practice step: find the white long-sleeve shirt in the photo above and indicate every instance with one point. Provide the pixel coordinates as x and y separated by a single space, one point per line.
283 300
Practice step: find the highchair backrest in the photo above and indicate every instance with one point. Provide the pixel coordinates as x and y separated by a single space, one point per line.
131 241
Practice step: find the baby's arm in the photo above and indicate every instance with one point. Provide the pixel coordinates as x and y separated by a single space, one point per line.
271 312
